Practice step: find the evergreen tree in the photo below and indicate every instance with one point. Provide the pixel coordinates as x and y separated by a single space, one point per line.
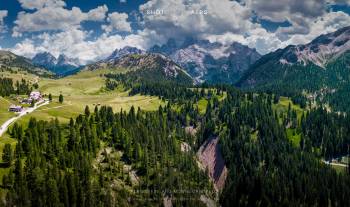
87 111
7 154
60 98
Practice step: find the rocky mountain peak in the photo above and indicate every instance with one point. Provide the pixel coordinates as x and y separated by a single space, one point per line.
119 53
319 51
44 59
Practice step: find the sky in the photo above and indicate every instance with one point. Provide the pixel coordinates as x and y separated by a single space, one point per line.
91 30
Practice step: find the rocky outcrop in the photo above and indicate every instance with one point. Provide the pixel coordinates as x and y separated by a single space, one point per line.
211 159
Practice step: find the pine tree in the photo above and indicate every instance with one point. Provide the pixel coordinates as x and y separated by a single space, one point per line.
7 154
52 193
32 104
87 111
60 98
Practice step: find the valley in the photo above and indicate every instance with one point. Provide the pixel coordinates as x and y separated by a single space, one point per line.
143 129
174 103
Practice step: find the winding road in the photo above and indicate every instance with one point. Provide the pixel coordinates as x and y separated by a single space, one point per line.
4 126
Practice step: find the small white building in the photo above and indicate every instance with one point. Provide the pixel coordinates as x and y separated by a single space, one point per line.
14 108
35 95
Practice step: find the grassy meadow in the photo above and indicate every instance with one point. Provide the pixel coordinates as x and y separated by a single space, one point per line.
83 89
282 107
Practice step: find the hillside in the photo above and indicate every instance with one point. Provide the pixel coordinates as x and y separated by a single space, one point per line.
318 70
146 67
10 61
130 156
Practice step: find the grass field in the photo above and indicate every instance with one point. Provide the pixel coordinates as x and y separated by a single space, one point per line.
283 104
339 169
294 137
202 103
4 113
19 75
282 107
85 89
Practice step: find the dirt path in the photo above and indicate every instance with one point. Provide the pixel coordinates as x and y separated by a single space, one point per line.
4 126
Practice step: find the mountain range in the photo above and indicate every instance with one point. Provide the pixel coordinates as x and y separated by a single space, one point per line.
62 65
11 60
321 65
210 62
119 53
202 60
145 66
319 70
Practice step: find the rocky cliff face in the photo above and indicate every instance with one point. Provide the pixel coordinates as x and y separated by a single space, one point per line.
212 62
211 159
320 51
60 65
119 53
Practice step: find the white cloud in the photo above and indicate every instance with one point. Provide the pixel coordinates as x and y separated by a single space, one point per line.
327 23
75 44
301 14
282 10
25 48
226 22
3 14
51 15
117 21
98 14
38 4
176 18
258 38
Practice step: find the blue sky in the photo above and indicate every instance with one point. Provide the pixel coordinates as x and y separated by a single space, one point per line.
91 30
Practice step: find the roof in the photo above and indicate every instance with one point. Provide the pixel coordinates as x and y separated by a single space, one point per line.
15 107
35 93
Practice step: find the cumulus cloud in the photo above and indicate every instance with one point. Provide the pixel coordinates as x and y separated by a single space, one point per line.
98 14
38 4
181 18
222 21
327 23
51 15
117 21
3 14
301 14
258 38
25 48
75 43
279 11
229 21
